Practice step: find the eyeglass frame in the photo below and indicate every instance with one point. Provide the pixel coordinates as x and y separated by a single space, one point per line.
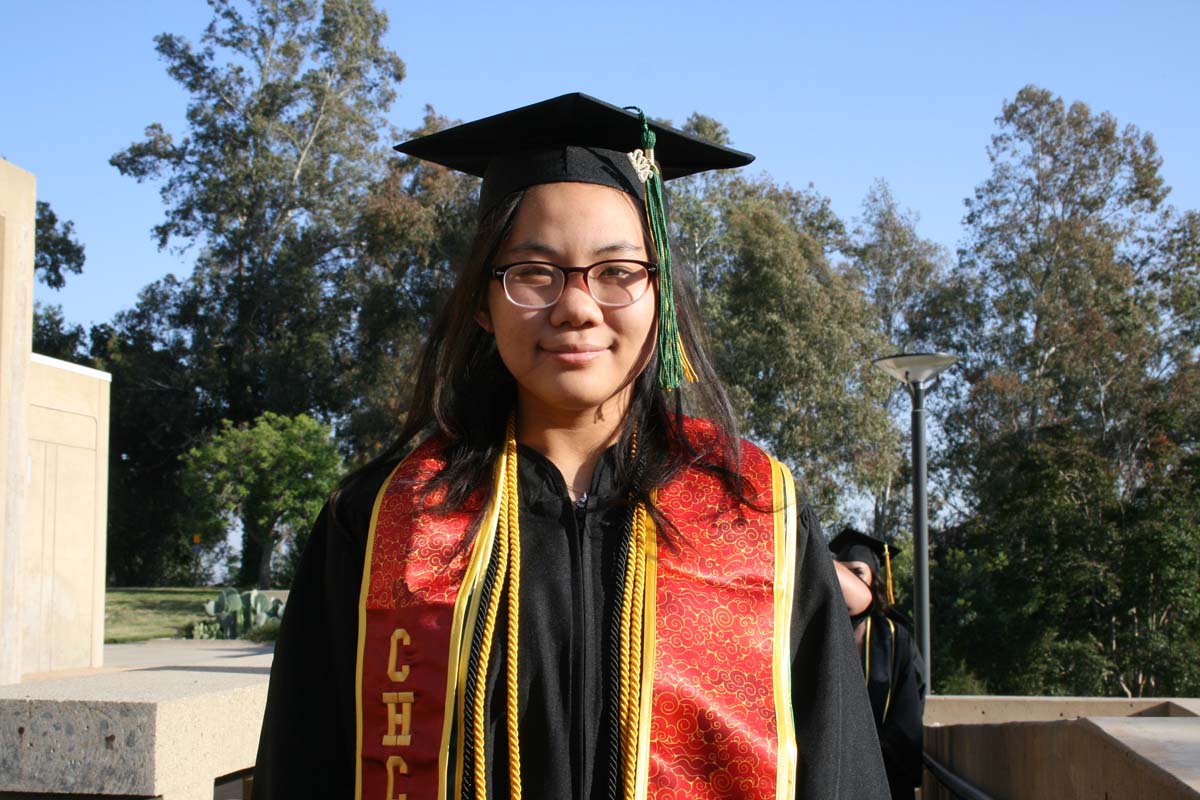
498 274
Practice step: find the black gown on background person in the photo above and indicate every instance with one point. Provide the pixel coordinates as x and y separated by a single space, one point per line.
307 748
894 672
896 686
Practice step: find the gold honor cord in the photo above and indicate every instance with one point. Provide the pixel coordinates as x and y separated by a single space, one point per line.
512 531
633 602
633 598
887 704
508 570
867 654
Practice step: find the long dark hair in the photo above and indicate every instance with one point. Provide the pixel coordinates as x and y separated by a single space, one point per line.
464 391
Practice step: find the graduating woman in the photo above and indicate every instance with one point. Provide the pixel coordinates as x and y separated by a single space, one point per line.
555 583
895 677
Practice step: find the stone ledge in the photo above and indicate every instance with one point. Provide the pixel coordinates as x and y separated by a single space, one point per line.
165 730
993 709
1141 758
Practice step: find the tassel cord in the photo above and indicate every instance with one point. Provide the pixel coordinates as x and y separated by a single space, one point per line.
512 683
473 678
502 581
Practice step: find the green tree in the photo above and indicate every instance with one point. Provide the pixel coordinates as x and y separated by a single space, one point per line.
791 334
270 477
285 137
157 413
415 227
897 270
1070 307
798 365
56 250
53 336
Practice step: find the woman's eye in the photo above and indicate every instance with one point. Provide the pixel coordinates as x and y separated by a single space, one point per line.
617 273
532 275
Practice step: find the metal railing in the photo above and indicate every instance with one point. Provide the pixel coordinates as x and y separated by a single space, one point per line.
957 786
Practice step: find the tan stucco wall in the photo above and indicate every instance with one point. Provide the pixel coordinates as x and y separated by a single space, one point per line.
53 473
62 606
18 194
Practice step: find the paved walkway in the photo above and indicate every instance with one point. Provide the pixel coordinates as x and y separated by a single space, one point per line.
178 653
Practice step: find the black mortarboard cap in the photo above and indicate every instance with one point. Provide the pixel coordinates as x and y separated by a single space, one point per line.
572 138
852 545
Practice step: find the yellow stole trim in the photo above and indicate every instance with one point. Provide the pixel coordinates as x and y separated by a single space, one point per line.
649 632
887 704
867 654
784 497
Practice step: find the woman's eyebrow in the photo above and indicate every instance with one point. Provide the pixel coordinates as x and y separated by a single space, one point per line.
618 247
536 247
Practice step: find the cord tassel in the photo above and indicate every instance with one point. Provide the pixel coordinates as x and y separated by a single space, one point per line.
887 560
674 367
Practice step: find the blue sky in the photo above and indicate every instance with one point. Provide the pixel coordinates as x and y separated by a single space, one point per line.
830 94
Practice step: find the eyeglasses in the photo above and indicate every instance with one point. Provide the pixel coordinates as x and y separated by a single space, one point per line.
539 284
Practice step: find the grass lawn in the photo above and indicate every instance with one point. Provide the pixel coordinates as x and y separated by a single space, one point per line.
134 615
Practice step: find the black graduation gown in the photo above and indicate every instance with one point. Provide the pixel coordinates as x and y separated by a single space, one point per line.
896 686
307 749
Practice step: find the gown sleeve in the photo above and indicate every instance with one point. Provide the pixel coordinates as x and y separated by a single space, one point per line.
306 749
837 745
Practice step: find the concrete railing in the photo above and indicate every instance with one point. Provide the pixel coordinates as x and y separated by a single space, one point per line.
168 721
1075 747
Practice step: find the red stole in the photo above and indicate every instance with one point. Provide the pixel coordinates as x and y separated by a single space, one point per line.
718 720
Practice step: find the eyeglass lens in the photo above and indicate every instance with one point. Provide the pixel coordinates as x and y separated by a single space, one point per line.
611 283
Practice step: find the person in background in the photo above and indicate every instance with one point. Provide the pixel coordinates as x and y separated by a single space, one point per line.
894 674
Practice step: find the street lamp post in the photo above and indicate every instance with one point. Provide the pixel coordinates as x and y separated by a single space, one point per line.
917 371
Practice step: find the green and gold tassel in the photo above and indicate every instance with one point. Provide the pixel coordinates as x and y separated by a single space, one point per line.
673 364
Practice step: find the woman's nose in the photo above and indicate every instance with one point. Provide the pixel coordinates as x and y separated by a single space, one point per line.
575 306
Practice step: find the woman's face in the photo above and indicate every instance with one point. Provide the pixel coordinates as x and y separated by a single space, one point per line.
576 355
862 570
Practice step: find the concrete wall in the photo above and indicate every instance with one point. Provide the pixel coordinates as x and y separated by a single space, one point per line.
1138 758
18 193
53 473
62 594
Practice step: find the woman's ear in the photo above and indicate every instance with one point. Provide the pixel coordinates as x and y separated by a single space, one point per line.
484 319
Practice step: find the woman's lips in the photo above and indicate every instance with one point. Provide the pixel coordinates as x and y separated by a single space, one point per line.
581 354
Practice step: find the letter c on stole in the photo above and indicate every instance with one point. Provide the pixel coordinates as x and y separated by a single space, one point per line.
399 636
395 764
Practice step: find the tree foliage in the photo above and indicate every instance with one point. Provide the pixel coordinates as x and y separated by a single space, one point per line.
897 271
56 250
285 138
415 226
53 336
284 127
157 413
56 253
271 477
791 334
1071 422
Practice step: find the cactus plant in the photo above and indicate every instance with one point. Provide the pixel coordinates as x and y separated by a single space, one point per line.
232 612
